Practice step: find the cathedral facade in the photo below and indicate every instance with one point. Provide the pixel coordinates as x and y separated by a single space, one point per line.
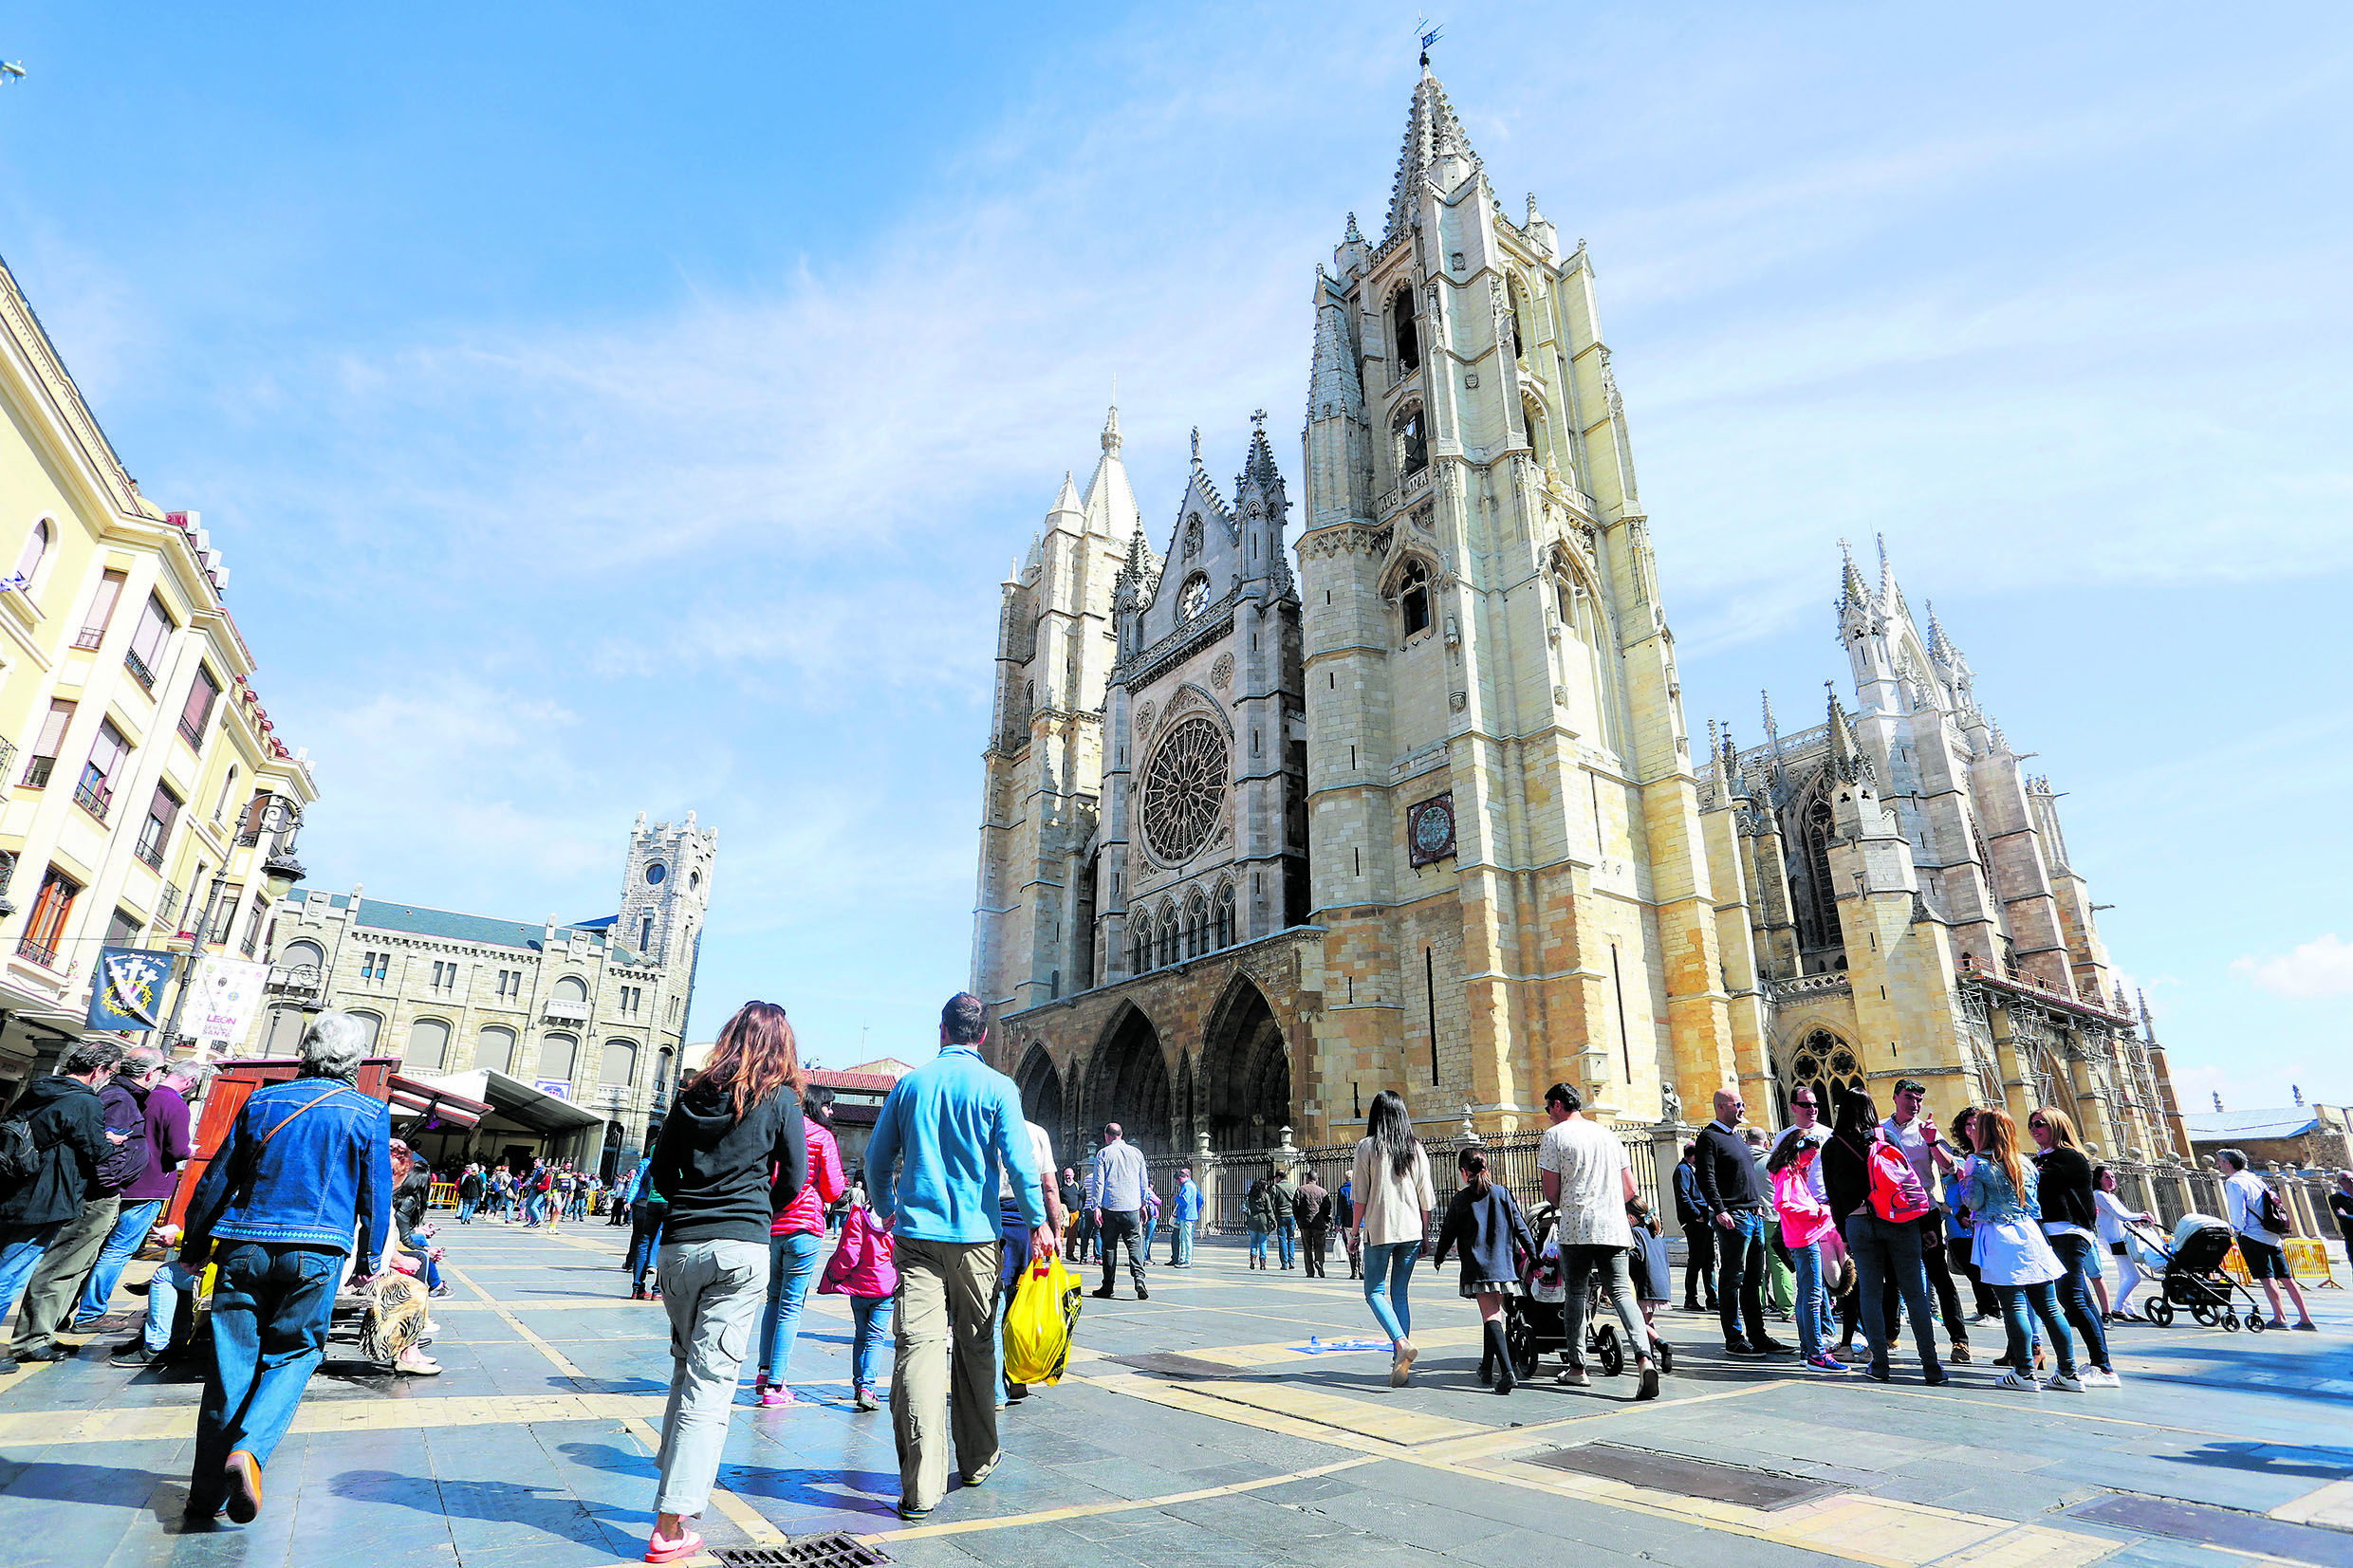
1425 816
1912 907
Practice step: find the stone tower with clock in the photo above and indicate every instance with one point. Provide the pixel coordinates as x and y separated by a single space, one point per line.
1505 834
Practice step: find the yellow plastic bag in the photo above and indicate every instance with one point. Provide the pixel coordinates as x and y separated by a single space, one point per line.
1040 1322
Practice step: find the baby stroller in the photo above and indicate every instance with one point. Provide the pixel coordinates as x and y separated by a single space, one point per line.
1536 1321
2193 1277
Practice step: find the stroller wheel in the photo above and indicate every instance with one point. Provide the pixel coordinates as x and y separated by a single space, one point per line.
1521 1345
2162 1313
1613 1354
2231 1320
2203 1316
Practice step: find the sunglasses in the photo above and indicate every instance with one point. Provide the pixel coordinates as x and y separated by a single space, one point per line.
1802 1105
2038 1125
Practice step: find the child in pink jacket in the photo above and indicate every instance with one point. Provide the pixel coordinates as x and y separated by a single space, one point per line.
861 1268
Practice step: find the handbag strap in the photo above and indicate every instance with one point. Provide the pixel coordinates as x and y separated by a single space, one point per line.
312 1105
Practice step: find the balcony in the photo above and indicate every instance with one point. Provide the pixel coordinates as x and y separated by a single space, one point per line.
151 854
194 736
296 980
87 639
37 772
564 1012
138 667
38 951
91 795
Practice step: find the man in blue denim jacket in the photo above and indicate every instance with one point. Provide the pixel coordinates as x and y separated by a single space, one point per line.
306 1164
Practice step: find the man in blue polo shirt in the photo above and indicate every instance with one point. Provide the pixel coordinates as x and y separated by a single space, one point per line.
943 1142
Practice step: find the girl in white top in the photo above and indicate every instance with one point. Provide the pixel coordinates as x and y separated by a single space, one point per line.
1393 1203
2114 1216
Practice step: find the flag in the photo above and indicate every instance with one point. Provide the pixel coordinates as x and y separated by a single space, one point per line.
222 997
128 989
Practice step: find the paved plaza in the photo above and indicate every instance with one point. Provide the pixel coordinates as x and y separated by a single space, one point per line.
1272 1438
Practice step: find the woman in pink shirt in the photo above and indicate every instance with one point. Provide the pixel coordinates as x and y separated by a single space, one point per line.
794 1240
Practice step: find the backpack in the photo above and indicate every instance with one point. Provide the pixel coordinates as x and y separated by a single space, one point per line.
20 1156
2272 1214
1896 1194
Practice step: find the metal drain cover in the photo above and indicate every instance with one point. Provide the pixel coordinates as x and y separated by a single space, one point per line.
2224 1527
1170 1364
833 1551
1669 1472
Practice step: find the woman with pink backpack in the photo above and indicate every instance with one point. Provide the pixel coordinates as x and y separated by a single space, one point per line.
862 1268
1883 1230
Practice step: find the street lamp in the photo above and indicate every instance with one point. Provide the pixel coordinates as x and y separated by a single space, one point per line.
276 823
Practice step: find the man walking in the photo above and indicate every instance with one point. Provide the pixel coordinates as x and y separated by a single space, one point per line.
57 1280
1313 1208
1074 1213
469 1192
1187 1211
1586 1176
1916 1134
67 1125
1733 1199
1699 1235
161 1147
1120 1177
2260 1246
945 1138
306 1163
1347 1212
1284 1194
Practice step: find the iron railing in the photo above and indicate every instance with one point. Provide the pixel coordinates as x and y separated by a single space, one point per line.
138 667
93 797
37 772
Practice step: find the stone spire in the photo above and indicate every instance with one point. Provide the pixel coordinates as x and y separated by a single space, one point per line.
1853 594
1110 503
1846 758
1431 134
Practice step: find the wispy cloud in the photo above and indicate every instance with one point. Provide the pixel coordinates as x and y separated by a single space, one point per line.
2322 966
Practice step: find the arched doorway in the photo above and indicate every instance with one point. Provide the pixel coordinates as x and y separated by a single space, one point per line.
1246 1072
1128 1083
1825 1063
1041 1093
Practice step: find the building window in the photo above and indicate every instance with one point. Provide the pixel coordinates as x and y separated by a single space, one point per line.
146 653
1414 599
198 711
495 1049
645 936
101 612
154 835
1225 915
571 988
1168 938
620 1064
1401 325
428 1045
96 792
375 966
509 984
556 1053
374 1028
253 929
28 559
45 749
1411 445
220 806
445 976
1193 598
1519 311
46 927
123 931
1143 948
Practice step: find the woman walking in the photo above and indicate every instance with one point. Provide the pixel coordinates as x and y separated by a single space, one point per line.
2012 1253
2071 1222
2115 1214
1394 1199
731 1155
864 1269
794 1239
1258 1215
1492 1234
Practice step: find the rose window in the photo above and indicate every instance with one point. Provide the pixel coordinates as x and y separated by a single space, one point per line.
1184 788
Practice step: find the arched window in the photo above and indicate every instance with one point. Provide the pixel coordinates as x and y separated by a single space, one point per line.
429 1043
375 1028
1412 444
571 988
621 1063
1225 915
1414 599
1519 321
1196 929
1168 938
36 546
661 1072
494 1049
1822 899
1143 946
303 954
556 1054
1401 324
1533 417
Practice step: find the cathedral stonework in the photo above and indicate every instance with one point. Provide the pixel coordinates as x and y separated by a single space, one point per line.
1425 816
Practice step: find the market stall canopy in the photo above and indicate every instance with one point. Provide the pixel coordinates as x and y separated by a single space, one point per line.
512 1100
435 1102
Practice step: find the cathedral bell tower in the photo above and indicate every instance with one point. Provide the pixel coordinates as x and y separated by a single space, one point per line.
1503 813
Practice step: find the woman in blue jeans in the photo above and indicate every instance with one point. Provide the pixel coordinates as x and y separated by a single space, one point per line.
795 1237
2071 1224
2014 1254
1883 1248
1391 1184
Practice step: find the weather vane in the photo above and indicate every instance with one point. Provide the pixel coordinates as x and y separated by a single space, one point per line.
1429 36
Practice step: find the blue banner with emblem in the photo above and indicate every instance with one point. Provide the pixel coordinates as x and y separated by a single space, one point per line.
127 992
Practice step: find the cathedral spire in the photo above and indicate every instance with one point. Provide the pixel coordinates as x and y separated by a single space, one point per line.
1854 595
1431 134
1065 502
1846 758
1110 501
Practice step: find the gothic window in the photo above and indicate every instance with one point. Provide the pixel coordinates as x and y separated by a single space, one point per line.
1819 907
1413 444
1826 1064
36 546
1196 929
1225 915
1184 788
1519 312
1414 599
1533 417
1193 598
1143 946
1168 938
1408 340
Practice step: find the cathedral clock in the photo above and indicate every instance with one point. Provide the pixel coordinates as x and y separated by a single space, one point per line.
1430 829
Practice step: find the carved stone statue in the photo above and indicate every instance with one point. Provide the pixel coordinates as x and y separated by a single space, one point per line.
1670 1103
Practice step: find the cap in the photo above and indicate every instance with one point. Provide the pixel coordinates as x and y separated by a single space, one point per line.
1910 1085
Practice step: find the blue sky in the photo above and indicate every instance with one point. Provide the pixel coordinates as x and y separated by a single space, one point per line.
606 410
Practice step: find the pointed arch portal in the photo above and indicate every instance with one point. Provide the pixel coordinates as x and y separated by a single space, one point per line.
1128 1083
1041 1093
1246 1072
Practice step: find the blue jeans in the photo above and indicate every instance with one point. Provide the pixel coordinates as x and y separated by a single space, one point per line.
1285 1231
645 1228
1805 1261
130 1230
1152 1224
2015 1301
163 1293
1012 1264
1258 1242
1883 1251
1180 1248
465 1211
791 1265
871 1315
20 1253
270 1308
2075 1298
1741 1262
1391 1263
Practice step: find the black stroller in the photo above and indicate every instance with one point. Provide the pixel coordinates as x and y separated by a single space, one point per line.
2193 1279
1536 1321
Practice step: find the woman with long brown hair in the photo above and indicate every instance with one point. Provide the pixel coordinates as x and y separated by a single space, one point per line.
2012 1254
731 1155
2071 1222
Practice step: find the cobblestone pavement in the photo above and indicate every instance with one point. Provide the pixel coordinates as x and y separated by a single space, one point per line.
1287 1448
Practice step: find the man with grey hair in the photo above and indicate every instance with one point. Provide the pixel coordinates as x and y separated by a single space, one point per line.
57 1280
2262 1246
67 1127
155 1159
306 1164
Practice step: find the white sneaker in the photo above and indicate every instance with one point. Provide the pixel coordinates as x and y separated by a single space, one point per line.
2064 1383
2093 1377
2012 1379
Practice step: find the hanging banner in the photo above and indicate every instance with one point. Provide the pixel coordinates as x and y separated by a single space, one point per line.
128 989
223 995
